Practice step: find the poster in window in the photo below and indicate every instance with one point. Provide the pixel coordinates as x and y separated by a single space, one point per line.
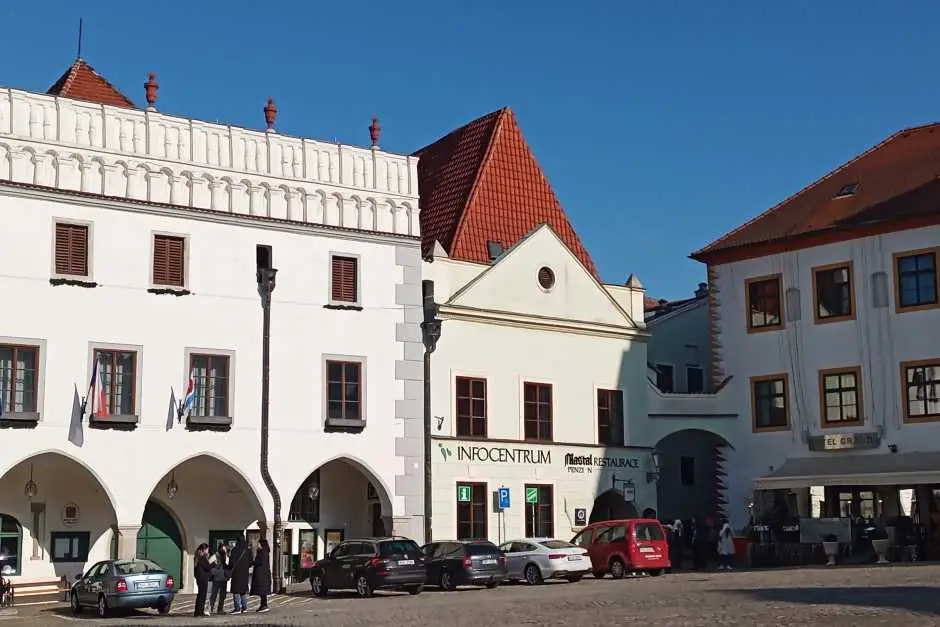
333 538
308 548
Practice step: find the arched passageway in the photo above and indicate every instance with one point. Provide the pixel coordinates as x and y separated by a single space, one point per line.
611 505
691 475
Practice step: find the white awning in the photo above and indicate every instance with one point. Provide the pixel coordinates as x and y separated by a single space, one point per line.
840 469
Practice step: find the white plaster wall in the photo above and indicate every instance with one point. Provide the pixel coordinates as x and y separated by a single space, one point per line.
681 340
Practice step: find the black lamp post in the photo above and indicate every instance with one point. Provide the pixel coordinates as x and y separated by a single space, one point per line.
266 276
430 334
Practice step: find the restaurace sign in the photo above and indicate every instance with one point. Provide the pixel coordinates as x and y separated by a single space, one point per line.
587 463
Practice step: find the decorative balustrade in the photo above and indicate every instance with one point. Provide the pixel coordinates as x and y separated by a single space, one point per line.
145 155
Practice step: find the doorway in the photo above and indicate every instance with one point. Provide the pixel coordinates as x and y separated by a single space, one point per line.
378 525
159 540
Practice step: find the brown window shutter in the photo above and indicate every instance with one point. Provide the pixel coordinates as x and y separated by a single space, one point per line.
344 279
71 249
168 260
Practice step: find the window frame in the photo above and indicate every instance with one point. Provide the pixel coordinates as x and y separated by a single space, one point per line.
533 509
189 353
19 542
39 345
551 411
185 261
342 304
137 389
895 270
363 391
905 399
853 305
474 486
84 545
597 411
859 397
688 369
89 250
659 373
783 376
457 397
780 303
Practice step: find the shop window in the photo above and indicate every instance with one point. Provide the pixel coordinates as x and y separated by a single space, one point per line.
70 546
539 512
11 545
471 511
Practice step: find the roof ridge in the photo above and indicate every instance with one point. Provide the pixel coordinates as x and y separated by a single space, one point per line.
813 185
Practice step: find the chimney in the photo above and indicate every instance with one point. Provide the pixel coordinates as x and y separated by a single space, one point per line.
702 290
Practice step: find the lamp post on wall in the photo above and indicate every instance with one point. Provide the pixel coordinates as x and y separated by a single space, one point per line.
266 276
430 334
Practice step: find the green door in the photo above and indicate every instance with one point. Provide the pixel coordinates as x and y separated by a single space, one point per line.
159 541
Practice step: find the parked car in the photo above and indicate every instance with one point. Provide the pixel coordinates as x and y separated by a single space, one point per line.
621 546
123 584
369 564
453 563
535 559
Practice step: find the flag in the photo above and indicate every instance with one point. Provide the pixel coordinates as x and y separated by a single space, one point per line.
99 395
187 405
76 429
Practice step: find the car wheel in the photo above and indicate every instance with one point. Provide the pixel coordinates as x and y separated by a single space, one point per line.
164 608
656 572
617 570
317 586
447 583
574 579
413 590
598 574
76 606
491 585
363 587
533 576
102 607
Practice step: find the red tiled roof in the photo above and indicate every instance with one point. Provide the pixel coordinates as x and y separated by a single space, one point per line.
82 82
904 161
481 183
650 303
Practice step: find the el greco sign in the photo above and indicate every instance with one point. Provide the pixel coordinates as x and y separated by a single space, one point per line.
844 441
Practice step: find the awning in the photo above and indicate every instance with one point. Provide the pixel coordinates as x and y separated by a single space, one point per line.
836 469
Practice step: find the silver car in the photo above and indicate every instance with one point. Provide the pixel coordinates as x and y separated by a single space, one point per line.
123 584
535 559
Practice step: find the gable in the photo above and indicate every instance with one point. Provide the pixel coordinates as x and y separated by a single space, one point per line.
511 285
82 82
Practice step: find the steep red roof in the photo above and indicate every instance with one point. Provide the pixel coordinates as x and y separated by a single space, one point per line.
82 82
481 183
904 161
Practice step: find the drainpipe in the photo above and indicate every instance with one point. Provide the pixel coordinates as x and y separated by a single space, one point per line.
430 334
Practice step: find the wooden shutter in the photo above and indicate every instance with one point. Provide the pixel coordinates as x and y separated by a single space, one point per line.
344 279
168 260
71 249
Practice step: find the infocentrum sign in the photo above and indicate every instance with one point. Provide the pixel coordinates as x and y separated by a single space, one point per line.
496 454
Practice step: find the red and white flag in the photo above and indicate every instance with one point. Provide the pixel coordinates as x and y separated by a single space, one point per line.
99 398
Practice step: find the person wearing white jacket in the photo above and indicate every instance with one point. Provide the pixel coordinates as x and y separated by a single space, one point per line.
725 547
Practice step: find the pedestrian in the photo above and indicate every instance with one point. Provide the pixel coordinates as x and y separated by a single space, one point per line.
677 545
203 572
220 577
261 575
241 576
725 547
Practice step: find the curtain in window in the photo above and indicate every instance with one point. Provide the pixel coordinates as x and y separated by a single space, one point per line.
17 379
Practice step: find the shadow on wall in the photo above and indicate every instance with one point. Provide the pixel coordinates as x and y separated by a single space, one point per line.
920 599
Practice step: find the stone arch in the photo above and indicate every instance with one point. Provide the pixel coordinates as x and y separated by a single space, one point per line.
4 470
611 505
692 467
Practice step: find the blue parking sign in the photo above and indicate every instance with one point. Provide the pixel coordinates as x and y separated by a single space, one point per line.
504 498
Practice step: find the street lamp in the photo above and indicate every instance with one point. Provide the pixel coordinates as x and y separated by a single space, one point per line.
430 334
266 276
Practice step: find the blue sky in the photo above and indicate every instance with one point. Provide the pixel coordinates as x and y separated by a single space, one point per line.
661 125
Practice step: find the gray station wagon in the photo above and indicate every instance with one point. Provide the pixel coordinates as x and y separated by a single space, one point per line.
123 584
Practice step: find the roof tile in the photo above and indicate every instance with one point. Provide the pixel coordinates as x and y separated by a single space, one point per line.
82 82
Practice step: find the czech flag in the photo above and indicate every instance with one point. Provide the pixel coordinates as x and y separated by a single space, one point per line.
187 405
99 399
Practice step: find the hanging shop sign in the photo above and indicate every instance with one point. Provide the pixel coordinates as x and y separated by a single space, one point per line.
844 441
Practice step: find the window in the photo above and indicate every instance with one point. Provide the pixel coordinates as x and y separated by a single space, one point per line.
344 282
306 503
687 470
665 378
70 546
471 407
833 291
916 279
19 379
841 396
763 304
539 513
921 389
169 260
610 417
770 403
71 249
344 390
537 411
649 532
211 385
695 379
11 542
471 511
119 379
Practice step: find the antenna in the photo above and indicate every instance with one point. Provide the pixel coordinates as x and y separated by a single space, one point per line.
80 38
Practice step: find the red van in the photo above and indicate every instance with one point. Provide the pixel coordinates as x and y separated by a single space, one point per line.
621 546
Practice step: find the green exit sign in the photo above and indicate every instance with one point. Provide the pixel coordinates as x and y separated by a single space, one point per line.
463 494
531 495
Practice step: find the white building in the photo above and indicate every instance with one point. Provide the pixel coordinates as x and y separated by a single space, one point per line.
131 239
825 309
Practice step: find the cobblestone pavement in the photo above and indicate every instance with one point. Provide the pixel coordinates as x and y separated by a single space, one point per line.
890 595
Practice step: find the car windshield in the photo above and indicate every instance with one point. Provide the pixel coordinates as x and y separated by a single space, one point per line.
136 567
481 548
556 544
398 547
650 532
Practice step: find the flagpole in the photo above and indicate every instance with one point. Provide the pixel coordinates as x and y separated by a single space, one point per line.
91 385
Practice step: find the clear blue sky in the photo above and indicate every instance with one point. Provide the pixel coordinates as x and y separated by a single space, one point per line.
661 125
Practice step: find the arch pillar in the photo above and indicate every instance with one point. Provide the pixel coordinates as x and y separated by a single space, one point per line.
127 541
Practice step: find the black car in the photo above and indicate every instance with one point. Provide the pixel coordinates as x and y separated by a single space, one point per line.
455 563
370 564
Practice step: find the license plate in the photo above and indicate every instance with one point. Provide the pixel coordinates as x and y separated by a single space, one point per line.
489 561
647 549
147 584
406 562
574 558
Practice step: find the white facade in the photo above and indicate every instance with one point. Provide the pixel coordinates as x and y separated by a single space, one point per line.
878 340
127 175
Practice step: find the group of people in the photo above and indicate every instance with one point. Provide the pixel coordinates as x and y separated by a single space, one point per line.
707 542
241 572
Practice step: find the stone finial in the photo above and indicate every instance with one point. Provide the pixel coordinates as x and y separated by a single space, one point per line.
270 114
375 129
150 88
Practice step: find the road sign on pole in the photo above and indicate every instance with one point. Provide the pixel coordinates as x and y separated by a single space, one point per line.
531 495
503 498
463 494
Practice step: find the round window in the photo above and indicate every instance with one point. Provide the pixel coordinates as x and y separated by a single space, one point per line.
546 278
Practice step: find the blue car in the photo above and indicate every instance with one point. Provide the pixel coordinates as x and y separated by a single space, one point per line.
125 585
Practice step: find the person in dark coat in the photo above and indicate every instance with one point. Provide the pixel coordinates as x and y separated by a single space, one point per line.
241 575
203 572
261 575
220 577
